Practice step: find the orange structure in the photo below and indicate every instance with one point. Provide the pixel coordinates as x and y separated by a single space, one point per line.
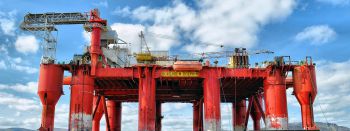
98 88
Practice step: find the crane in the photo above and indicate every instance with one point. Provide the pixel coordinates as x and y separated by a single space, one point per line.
44 24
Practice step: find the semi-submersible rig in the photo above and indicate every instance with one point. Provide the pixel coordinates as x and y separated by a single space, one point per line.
102 78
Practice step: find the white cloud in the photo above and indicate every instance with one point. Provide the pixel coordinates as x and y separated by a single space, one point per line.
3 49
129 33
229 23
316 35
22 68
7 22
14 63
2 65
102 4
61 116
17 60
87 37
18 103
30 87
335 2
26 44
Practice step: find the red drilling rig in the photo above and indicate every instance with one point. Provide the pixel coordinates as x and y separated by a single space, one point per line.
99 87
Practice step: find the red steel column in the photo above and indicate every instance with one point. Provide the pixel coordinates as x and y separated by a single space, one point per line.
98 115
159 116
212 101
256 114
197 116
239 115
95 48
275 100
147 99
114 115
81 101
49 91
305 90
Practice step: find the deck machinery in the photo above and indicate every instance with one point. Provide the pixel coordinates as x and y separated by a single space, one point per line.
98 88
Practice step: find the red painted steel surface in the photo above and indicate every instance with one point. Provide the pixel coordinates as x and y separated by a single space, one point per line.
49 91
275 100
211 93
239 115
67 80
98 114
159 116
147 99
256 113
81 101
305 90
114 115
187 66
197 115
95 49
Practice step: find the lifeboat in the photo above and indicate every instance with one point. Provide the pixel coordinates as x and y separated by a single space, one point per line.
187 66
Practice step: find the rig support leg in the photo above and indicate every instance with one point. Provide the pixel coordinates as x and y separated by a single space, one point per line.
198 115
49 91
114 115
81 101
95 48
159 116
305 90
275 100
147 99
256 114
239 115
98 114
212 102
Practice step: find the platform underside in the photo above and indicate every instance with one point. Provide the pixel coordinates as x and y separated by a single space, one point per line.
184 90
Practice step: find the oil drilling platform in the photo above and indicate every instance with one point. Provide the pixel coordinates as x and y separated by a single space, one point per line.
103 77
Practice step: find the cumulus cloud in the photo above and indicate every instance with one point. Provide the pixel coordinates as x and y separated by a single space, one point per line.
129 33
233 24
3 49
7 22
18 103
335 2
87 37
30 87
101 4
26 69
14 63
26 44
2 65
316 35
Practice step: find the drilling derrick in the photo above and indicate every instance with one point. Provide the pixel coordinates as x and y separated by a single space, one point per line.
102 78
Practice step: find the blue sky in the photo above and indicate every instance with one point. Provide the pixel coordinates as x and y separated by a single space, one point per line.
318 28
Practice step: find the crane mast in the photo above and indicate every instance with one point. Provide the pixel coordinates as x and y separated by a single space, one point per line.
43 25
